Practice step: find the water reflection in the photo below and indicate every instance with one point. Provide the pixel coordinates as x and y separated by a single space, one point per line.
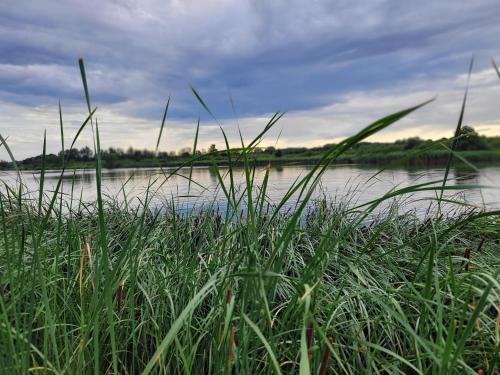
358 184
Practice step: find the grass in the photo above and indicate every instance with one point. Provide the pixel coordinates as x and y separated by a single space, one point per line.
326 288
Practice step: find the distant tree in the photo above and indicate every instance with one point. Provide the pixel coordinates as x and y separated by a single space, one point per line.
327 146
71 155
185 152
4 165
147 154
270 150
469 139
137 155
129 154
278 153
212 149
412 142
86 153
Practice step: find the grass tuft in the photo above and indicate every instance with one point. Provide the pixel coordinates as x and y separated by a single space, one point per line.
109 287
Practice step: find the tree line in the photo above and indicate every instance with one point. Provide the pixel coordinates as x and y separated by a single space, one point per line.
468 140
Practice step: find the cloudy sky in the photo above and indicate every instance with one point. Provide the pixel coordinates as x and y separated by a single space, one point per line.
333 66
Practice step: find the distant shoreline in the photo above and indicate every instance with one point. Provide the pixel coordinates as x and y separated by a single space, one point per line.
469 147
477 158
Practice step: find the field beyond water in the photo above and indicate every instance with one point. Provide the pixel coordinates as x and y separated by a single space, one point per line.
329 287
412 152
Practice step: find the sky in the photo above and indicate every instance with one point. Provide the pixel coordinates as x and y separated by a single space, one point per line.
332 66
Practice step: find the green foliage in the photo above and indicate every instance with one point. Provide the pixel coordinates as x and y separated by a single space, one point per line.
413 142
469 140
212 149
371 291
108 287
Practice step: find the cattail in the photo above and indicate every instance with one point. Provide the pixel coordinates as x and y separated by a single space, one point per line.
229 295
324 358
91 265
230 351
480 246
322 205
478 322
466 256
86 251
119 295
480 372
310 337
82 255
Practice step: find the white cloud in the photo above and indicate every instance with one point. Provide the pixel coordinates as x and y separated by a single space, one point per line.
334 66
342 117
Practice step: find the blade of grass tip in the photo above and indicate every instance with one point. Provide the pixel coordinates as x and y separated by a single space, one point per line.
42 173
11 156
248 182
84 81
177 325
230 163
473 167
340 148
162 125
495 67
198 97
204 105
268 126
87 96
233 108
276 117
100 206
89 118
59 182
194 154
457 130
230 168
259 334
61 131
337 150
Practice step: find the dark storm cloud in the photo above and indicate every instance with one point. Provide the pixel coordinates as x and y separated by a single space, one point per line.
268 55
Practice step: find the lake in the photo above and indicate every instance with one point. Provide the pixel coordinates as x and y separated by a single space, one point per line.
341 183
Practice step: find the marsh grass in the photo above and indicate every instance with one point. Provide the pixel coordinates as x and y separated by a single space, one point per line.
111 288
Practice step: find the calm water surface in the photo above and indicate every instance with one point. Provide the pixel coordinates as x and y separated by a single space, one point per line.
348 183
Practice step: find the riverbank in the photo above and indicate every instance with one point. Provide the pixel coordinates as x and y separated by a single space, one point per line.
436 158
206 292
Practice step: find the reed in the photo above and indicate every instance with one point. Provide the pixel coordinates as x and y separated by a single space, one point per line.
247 288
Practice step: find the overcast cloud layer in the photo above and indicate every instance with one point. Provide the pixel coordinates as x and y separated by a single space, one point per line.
334 66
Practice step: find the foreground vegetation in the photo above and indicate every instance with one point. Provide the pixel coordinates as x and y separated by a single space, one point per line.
245 286
206 294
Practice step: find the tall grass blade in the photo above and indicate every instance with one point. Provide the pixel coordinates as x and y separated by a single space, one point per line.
458 128
177 325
